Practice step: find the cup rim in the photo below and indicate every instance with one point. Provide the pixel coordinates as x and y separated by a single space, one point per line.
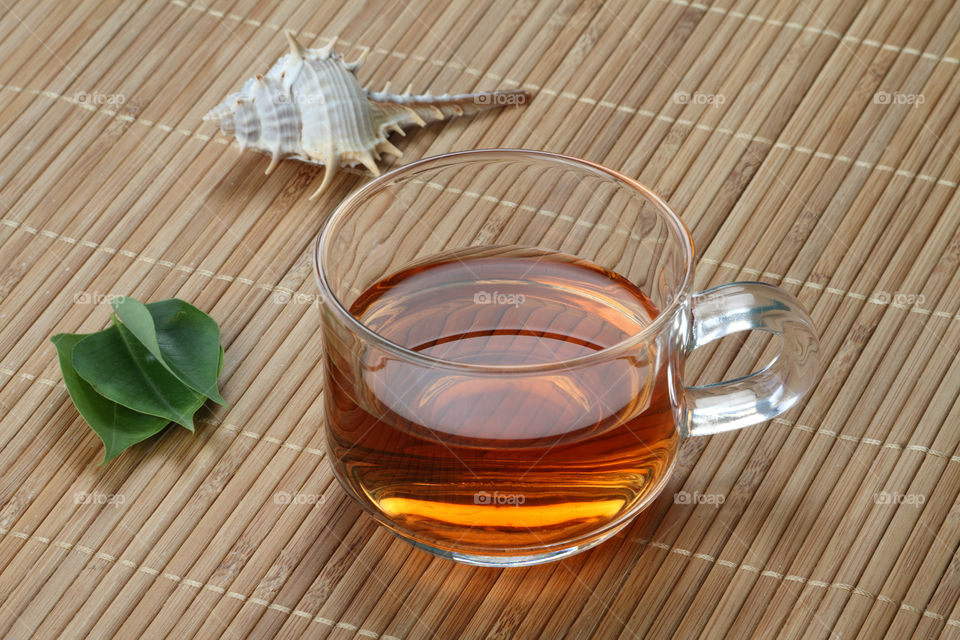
333 303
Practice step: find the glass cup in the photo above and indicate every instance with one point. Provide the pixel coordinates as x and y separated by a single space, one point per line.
505 463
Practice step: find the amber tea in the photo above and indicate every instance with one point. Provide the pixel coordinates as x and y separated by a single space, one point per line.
464 459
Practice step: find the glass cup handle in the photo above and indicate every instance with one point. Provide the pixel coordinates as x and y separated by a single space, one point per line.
747 306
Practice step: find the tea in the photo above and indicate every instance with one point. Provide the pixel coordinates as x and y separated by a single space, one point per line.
471 457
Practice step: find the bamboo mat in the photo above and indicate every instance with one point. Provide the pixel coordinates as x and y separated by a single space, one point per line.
806 143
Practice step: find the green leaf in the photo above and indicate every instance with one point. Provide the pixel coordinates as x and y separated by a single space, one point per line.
157 364
185 340
117 426
120 368
136 317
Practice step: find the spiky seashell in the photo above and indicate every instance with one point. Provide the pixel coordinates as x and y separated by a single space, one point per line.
310 106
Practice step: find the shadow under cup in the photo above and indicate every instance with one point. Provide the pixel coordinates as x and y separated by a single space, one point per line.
510 456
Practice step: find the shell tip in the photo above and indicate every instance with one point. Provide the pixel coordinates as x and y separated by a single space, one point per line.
366 159
296 49
326 50
330 165
353 66
416 117
386 146
274 161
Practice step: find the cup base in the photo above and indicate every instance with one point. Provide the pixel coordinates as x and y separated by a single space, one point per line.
504 561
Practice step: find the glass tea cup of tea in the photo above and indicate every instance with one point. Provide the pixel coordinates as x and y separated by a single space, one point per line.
504 340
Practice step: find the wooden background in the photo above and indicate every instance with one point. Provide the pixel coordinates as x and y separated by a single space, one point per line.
808 143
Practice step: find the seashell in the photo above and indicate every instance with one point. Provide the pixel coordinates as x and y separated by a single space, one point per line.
310 106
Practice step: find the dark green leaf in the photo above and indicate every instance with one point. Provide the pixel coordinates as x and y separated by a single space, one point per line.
117 426
185 340
120 368
136 317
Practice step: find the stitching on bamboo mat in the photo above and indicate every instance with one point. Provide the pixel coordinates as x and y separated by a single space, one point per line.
285 294
748 17
284 290
869 441
834 290
612 105
67 546
190 583
173 266
739 135
289 292
217 424
802 580
240 431
606 103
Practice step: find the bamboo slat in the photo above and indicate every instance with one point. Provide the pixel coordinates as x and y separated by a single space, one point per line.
811 144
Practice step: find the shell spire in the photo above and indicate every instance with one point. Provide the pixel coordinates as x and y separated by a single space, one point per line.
311 107
406 110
